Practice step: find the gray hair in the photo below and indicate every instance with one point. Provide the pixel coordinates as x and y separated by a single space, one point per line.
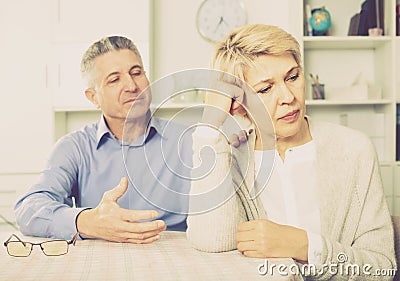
103 46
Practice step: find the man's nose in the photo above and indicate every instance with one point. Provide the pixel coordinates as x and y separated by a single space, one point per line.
130 84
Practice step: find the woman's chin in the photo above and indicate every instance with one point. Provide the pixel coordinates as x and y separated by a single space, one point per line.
288 131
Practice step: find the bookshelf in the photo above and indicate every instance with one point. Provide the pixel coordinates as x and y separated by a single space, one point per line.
339 60
344 42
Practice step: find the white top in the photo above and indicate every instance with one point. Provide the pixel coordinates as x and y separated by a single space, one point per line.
289 196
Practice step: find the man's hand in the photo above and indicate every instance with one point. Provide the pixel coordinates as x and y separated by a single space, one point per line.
109 221
237 139
266 239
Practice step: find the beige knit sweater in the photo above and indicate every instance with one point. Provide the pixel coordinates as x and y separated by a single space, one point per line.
355 219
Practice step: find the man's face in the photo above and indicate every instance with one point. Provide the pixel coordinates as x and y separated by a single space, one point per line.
119 80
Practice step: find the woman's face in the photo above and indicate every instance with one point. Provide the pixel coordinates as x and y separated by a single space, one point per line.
279 82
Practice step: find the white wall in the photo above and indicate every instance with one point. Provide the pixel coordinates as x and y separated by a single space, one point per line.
177 45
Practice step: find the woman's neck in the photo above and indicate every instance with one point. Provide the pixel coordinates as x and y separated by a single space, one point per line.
302 137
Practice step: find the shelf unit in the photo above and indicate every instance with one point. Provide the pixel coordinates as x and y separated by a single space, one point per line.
348 102
71 118
344 42
339 60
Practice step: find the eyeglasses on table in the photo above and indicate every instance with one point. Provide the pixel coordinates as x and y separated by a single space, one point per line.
49 248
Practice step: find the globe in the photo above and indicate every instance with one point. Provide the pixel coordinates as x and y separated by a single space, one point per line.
320 21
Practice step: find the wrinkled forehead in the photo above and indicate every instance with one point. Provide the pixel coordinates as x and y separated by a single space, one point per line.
269 67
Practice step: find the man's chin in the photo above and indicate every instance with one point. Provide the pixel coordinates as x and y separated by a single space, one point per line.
137 113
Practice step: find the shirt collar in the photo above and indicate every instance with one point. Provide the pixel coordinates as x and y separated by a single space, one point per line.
156 126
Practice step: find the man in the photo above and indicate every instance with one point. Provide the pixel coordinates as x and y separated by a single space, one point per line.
127 142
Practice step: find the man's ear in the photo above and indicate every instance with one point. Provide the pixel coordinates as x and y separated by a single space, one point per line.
92 97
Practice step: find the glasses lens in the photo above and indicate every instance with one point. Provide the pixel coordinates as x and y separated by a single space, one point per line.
55 248
18 249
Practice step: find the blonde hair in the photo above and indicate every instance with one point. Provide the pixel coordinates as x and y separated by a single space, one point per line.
237 52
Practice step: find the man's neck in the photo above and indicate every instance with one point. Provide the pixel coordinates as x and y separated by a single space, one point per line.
128 130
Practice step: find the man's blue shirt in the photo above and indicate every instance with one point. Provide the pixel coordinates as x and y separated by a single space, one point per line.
86 163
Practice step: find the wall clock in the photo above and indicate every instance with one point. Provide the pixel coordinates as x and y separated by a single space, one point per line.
216 18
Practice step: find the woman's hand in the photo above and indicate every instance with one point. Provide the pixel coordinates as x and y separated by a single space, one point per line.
226 99
266 239
230 95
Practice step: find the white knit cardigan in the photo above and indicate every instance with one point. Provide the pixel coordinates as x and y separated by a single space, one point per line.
355 219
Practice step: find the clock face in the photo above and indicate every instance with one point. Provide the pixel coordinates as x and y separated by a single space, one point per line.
216 18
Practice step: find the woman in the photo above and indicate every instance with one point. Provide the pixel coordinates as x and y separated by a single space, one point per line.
324 196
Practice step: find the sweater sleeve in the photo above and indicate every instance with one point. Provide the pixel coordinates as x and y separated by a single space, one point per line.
371 253
214 208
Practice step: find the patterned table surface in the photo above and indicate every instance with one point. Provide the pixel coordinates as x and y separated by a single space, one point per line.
170 258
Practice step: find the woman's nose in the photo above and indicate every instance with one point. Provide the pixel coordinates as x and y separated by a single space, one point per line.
284 94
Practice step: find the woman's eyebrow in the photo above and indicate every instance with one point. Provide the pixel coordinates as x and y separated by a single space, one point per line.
293 69
270 80
264 81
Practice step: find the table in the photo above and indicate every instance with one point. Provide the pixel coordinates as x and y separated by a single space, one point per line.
170 258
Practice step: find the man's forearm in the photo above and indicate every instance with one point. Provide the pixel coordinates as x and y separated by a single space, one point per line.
38 215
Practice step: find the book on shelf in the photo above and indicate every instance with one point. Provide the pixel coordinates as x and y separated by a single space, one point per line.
398 19
380 14
354 23
398 133
371 16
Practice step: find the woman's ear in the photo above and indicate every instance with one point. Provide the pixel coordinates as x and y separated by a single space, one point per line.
92 97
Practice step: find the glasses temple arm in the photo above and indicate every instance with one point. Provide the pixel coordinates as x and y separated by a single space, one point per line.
73 240
8 240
